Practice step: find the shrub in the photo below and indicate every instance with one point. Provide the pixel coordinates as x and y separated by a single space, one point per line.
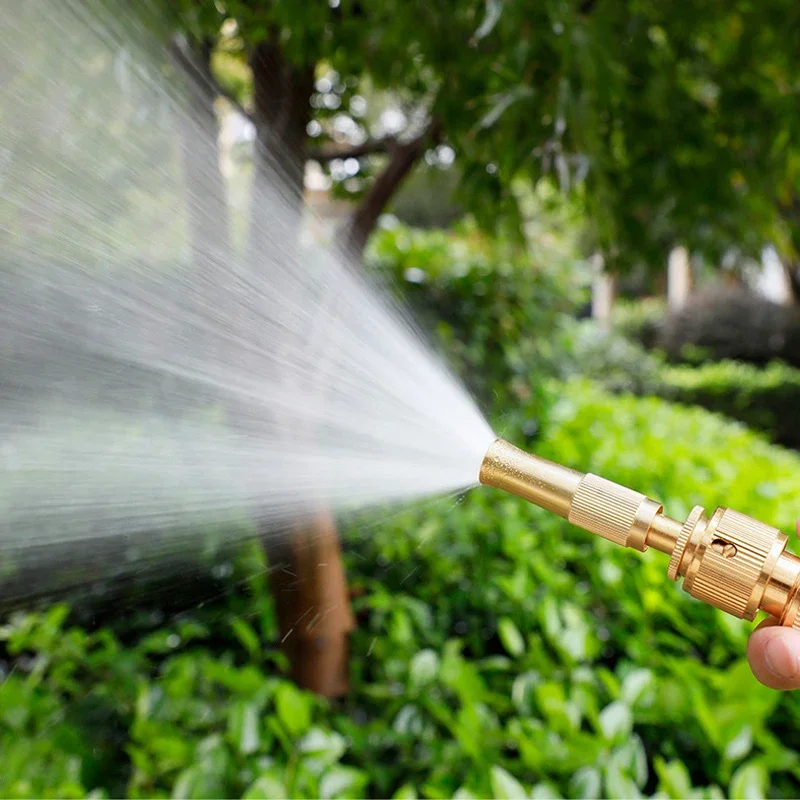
725 322
764 398
495 310
500 651
639 321
612 360
427 198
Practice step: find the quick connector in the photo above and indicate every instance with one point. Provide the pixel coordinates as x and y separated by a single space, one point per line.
730 561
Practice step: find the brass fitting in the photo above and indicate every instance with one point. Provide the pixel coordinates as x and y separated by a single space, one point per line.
731 561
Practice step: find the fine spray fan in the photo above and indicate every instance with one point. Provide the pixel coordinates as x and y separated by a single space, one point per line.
731 561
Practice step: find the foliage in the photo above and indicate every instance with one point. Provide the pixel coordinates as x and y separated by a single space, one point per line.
500 653
640 320
764 398
611 360
642 113
496 310
724 322
426 199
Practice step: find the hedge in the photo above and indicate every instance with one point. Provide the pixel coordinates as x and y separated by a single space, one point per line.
767 399
500 652
723 322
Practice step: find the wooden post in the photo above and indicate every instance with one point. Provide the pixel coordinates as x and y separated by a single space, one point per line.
604 289
679 278
774 281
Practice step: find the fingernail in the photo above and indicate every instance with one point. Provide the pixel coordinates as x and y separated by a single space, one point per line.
782 661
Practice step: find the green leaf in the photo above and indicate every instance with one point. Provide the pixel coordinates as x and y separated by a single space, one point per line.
268 786
511 637
619 785
494 9
585 784
634 685
505 786
342 783
673 778
247 636
749 782
616 720
740 745
243 727
294 709
409 721
206 779
406 792
322 749
501 103
424 668
522 691
560 713
545 791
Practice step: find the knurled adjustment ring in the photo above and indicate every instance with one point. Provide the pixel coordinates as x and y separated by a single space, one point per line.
683 539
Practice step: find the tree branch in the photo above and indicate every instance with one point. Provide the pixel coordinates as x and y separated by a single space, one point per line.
222 92
197 67
404 157
328 153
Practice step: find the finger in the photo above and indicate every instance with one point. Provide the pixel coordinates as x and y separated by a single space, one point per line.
774 655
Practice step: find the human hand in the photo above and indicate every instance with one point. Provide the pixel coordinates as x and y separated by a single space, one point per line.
774 653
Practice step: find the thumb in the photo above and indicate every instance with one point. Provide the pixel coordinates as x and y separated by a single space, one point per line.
774 655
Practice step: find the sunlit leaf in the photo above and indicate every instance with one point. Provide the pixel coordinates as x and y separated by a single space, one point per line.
494 8
424 668
505 786
749 782
511 637
616 720
294 709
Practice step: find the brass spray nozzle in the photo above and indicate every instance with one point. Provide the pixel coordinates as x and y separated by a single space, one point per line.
731 561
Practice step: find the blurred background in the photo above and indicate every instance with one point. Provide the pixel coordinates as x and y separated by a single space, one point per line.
593 209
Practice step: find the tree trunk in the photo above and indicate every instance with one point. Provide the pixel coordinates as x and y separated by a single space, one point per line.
306 571
206 202
313 606
402 160
281 112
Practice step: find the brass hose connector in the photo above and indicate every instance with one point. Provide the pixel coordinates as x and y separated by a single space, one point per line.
731 561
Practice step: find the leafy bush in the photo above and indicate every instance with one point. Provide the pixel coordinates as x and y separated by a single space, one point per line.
500 653
496 311
639 321
764 398
724 322
612 360
427 198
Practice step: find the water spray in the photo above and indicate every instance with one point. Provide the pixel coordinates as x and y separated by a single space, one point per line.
156 381
730 560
